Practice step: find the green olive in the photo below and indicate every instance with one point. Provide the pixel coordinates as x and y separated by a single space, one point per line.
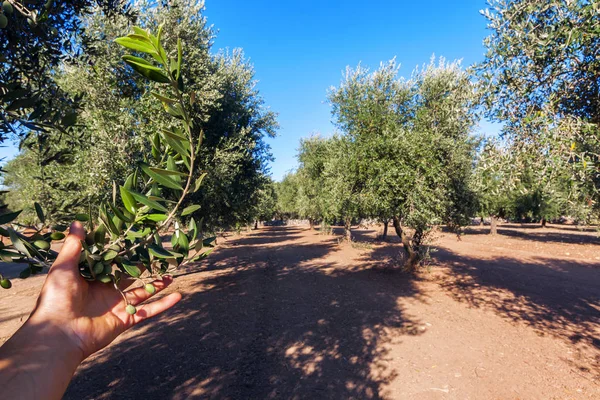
3 21
150 288
31 22
5 283
41 244
7 8
82 217
98 268
103 278
57 236
130 309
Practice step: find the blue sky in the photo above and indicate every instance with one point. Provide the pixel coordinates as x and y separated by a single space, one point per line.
299 50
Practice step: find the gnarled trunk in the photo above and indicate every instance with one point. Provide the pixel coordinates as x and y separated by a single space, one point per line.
543 223
493 225
348 230
311 222
385 229
411 245
255 224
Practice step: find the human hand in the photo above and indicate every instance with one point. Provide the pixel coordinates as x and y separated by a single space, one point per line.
92 314
73 318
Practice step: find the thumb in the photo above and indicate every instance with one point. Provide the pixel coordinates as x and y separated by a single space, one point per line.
68 258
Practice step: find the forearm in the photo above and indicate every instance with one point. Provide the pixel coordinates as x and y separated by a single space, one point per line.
37 362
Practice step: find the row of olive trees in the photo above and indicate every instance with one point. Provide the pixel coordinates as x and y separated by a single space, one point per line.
118 113
540 79
404 153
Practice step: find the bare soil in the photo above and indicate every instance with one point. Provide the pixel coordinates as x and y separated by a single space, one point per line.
285 312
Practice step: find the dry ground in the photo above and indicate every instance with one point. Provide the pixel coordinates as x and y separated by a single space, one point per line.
285 312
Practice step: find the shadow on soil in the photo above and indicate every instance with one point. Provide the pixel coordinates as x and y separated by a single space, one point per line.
536 233
555 297
271 320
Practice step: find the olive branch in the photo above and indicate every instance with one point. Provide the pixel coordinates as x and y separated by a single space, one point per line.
126 240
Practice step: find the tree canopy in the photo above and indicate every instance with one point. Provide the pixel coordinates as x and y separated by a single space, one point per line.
119 112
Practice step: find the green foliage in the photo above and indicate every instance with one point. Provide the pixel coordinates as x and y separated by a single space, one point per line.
408 148
342 182
540 78
227 111
405 152
127 234
542 53
495 179
287 194
311 198
266 205
35 37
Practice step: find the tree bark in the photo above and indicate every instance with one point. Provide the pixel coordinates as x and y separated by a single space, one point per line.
411 247
385 229
311 222
493 225
412 256
348 230
481 221
255 224
543 222
397 226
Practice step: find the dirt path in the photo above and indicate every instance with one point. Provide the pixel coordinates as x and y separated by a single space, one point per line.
287 313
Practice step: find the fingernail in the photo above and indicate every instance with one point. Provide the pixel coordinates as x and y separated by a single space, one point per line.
76 228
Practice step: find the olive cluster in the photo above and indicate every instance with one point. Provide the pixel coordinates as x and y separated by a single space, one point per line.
33 18
7 9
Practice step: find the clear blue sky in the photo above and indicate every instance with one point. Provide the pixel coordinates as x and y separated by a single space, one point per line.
299 50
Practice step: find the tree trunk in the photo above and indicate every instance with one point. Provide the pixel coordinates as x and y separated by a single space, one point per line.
481 221
493 225
397 227
311 222
544 222
348 230
385 229
255 224
411 247
412 256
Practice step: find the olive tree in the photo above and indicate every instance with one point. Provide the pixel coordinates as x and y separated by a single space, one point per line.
286 192
265 202
36 37
415 160
540 78
312 156
119 113
342 183
364 107
494 180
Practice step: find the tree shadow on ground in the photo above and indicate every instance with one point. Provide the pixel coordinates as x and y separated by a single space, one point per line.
539 234
13 270
555 297
268 321
361 235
